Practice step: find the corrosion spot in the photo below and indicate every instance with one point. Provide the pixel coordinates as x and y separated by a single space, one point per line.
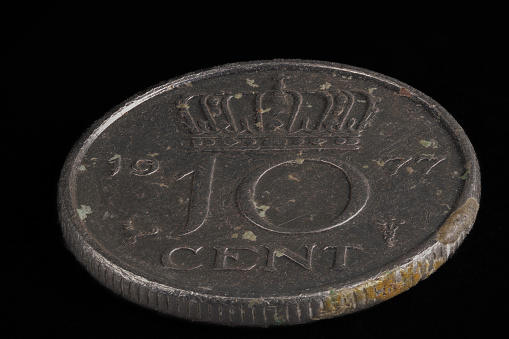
291 177
427 143
181 105
248 235
325 86
251 83
261 209
83 211
467 172
404 92
259 110
116 156
459 222
384 286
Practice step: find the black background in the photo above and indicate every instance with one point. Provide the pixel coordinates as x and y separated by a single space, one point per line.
64 67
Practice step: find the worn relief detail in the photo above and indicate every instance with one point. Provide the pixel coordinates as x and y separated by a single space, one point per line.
199 205
268 257
388 229
137 231
256 213
280 118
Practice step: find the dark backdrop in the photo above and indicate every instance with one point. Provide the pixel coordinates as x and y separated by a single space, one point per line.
64 67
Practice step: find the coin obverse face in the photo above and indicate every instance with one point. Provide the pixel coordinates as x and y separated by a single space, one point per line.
269 192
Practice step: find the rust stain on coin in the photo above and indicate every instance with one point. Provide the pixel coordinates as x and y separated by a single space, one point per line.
269 193
400 279
459 222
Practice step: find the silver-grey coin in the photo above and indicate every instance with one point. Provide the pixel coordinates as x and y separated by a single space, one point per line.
269 192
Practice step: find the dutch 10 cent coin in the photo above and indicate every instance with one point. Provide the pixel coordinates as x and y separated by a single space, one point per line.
269 192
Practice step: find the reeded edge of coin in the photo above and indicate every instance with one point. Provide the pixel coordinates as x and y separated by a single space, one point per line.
358 293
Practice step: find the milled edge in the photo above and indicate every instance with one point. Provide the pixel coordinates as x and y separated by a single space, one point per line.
400 279
283 310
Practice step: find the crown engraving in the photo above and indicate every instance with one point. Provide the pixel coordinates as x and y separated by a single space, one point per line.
279 118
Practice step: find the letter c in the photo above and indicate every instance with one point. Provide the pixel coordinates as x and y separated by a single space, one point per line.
168 260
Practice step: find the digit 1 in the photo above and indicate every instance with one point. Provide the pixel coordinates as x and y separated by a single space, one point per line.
115 162
200 196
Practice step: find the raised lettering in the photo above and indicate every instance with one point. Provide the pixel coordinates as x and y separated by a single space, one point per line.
200 196
357 199
340 261
277 252
226 257
167 259
144 167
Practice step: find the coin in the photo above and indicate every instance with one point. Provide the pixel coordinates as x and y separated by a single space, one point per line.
269 193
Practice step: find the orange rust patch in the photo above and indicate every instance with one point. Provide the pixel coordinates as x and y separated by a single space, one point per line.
458 222
393 282
404 92
437 263
381 288
386 286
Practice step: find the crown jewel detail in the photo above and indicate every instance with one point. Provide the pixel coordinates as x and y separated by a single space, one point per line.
277 118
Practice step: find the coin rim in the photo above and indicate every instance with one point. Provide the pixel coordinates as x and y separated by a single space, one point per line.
358 293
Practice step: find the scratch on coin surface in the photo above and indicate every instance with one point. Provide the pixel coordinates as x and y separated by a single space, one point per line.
298 217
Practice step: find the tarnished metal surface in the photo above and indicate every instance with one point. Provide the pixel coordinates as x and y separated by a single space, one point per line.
269 193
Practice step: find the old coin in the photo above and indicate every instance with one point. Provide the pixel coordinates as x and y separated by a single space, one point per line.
269 192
